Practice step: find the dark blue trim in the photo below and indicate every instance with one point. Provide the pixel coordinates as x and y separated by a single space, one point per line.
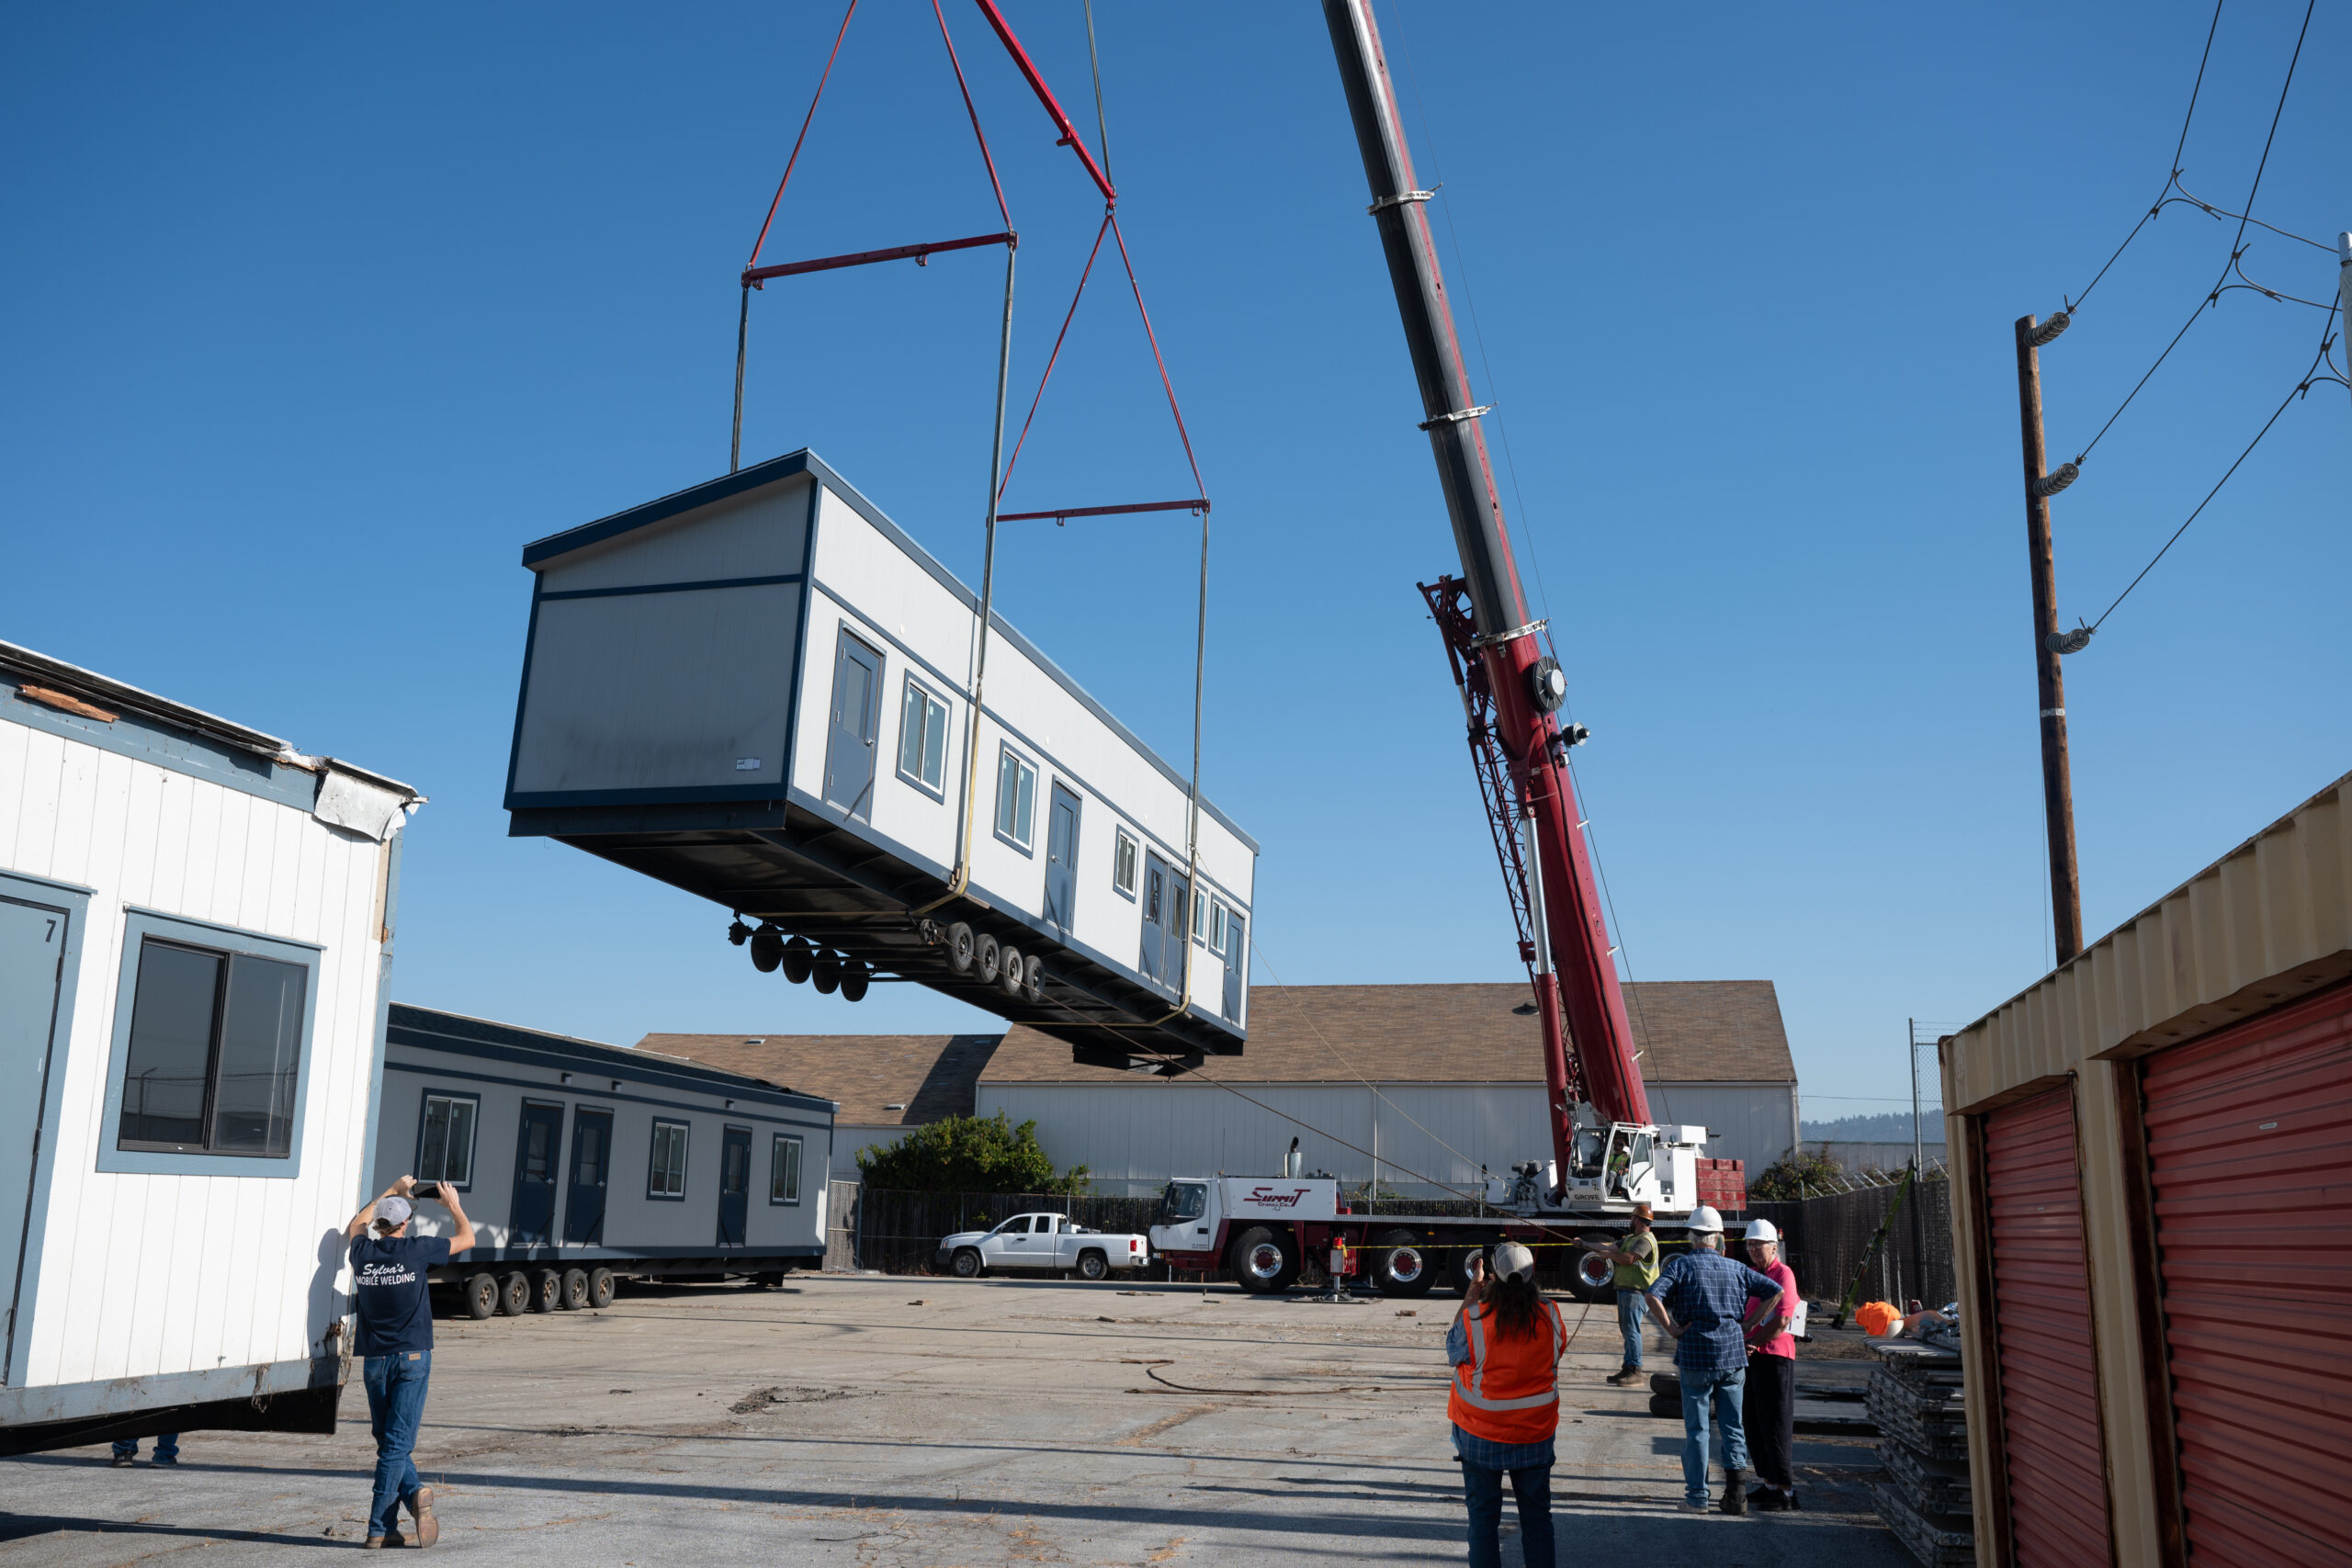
539 552
423 1102
689 796
523 694
775 1138
181 751
675 587
599 1099
455 1035
686 1182
73 904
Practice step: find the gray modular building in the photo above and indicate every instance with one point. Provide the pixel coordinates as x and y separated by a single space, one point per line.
578 1162
1437 1080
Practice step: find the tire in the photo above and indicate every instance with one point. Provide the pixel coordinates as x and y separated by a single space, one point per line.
856 978
986 962
825 973
768 949
547 1290
1457 1267
601 1288
1264 1262
1092 1266
514 1293
965 1264
1032 980
796 958
574 1294
481 1293
1580 1280
1011 968
1402 1266
962 948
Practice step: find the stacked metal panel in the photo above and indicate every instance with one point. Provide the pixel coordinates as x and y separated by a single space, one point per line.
1916 1401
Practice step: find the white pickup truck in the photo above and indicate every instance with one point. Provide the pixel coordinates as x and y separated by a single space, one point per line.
1041 1242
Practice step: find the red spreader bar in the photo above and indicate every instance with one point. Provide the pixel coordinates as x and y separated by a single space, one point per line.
1199 506
755 275
1068 137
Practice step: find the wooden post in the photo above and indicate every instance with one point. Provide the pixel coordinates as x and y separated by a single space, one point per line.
2057 781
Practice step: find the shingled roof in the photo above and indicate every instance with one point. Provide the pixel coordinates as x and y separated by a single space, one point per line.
1687 1031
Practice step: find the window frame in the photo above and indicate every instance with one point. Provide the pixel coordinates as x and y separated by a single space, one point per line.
231 942
685 1143
946 737
1126 850
800 1169
1220 926
473 1146
1007 753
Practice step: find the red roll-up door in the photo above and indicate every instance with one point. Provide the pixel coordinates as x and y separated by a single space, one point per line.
2042 1299
2250 1153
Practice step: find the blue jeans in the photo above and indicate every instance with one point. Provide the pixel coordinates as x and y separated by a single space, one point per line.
1724 1389
395 1408
1483 1489
167 1448
1632 1307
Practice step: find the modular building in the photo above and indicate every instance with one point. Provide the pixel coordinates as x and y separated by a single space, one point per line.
579 1164
2153 1218
196 927
759 689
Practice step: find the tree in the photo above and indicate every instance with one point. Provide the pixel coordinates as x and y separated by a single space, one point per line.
1797 1174
968 1154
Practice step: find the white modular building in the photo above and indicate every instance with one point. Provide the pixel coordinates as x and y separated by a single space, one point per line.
196 927
579 1162
759 689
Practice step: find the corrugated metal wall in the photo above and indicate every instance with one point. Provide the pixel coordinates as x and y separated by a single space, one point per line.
2250 1153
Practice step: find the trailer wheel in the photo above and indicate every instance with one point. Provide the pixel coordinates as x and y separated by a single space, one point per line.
1014 970
1265 1262
601 1286
986 960
962 948
1401 1266
547 1290
1032 980
575 1289
965 1263
1092 1266
796 958
481 1296
514 1293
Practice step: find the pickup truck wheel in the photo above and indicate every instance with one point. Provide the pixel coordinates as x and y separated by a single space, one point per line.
1402 1266
574 1294
481 1296
1092 1266
514 1293
1263 1261
965 1263
601 1285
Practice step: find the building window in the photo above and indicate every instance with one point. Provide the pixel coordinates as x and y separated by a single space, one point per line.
784 1170
214 1054
922 739
1123 857
1200 919
445 1150
667 1177
1218 927
1016 798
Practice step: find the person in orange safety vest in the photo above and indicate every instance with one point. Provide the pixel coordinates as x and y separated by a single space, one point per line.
1504 1406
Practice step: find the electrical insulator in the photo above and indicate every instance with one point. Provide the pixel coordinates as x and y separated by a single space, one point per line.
2048 331
2069 642
2056 480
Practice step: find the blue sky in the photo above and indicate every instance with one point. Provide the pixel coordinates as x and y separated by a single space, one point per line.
312 319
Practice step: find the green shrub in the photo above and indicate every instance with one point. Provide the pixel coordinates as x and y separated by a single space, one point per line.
1798 1174
968 1154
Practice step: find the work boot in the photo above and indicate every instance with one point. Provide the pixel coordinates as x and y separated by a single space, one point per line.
378 1542
1625 1375
420 1507
1734 1492
1769 1500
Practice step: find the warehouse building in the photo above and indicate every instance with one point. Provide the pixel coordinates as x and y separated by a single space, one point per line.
1436 1081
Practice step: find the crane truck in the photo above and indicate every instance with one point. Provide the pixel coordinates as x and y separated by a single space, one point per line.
1606 1153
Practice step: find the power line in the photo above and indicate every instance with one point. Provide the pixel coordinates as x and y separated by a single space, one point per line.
2171 179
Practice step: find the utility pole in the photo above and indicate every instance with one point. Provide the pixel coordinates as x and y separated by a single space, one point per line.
1919 1163
2057 781
2344 278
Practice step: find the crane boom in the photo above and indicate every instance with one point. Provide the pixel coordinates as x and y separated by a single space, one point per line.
1570 959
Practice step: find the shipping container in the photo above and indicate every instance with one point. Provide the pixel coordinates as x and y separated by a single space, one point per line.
581 1164
758 690
196 928
2153 1219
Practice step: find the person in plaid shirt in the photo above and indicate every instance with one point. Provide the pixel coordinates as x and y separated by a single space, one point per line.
1700 1300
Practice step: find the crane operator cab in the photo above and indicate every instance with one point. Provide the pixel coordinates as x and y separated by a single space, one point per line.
1610 1166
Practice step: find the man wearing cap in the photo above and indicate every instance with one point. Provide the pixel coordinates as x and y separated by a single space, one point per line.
395 1310
1700 1299
1770 1410
1636 1260
1505 1349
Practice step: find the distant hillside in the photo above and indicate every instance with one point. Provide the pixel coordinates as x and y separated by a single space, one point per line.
1880 1127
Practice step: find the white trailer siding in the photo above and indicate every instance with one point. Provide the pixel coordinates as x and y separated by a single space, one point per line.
203 1275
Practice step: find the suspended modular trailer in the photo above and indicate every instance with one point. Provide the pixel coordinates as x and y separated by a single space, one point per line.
758 690
578 1161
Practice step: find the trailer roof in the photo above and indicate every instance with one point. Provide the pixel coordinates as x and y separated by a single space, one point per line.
429 1028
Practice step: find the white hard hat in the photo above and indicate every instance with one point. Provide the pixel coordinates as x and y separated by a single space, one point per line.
1704 1219
1762 1230
1514 1260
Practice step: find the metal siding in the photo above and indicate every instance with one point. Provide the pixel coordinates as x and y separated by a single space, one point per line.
761 534
2254 1127
2049 1383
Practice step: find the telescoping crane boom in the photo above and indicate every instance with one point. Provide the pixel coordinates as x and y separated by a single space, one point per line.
1512 688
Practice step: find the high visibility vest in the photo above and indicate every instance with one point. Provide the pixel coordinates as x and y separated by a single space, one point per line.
1507 1390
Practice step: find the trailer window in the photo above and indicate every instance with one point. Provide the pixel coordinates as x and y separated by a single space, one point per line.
445 1141
922 739
1122 864
214 1050
784 1170
1184 1200
1218 926
667 1176
1016 798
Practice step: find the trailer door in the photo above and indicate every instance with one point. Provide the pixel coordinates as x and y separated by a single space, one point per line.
1154 915
849 748
734 1185
1236 952
1061 860
538 1146
583 1206
32 939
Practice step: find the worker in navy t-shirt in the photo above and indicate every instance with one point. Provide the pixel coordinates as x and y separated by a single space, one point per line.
394 1304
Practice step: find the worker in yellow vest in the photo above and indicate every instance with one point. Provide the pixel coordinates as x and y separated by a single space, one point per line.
1504 1405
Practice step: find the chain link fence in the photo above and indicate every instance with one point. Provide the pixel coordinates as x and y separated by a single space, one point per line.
898 1233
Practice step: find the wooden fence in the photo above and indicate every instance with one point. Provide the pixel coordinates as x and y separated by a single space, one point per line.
1824 1240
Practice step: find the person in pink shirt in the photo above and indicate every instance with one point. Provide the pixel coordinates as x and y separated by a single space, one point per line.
1771 1376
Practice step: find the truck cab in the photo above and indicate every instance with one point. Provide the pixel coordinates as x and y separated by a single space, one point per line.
1200 1221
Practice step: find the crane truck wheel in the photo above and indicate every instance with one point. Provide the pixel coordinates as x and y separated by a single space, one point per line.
1457 1268
1401 1266
1591 1278
1264 1262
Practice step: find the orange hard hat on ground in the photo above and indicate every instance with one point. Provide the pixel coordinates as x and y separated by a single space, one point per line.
1878 1319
